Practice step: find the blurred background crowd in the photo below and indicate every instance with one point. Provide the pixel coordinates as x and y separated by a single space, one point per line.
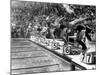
50 20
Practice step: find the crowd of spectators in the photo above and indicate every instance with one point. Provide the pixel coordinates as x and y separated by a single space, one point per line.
50 22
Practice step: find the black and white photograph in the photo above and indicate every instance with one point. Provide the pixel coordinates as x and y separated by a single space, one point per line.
51 37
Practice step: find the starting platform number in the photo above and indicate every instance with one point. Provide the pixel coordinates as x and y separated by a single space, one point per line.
66 50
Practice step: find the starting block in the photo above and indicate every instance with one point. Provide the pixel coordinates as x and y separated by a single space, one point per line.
34 38
54 44
90 58
67 49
